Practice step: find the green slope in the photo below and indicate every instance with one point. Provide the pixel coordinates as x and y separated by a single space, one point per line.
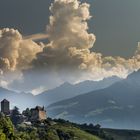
53 130
76 133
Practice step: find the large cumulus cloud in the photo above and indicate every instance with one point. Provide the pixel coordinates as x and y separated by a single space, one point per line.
70 44
67 56
69 40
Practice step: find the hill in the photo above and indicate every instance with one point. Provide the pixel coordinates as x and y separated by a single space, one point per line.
65 130
123 134
61 130
116 106
42 131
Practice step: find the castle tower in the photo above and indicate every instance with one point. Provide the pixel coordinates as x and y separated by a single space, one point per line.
5 107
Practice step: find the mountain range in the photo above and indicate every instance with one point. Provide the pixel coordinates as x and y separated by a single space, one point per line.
64 91
116 106
67 90
112 102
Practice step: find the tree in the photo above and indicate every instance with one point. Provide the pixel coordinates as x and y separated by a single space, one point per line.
27 112
15 116
6 128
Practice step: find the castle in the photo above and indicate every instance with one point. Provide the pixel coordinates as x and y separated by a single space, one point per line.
37 114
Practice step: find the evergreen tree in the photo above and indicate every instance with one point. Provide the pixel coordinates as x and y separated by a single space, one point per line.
15 116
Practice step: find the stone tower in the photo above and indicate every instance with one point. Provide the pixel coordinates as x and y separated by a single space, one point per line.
5 107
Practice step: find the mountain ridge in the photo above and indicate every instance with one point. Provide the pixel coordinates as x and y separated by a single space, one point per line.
108 106
67 90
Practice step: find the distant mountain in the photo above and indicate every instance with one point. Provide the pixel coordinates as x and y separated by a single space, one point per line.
67 90
21 100
5 93
116 106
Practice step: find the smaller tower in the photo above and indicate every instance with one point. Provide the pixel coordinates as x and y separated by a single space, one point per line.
5 107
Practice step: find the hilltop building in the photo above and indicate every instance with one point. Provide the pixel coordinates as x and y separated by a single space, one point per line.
29 115
38 113
5 107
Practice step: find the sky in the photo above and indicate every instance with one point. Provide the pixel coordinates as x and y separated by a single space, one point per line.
115 23
90 40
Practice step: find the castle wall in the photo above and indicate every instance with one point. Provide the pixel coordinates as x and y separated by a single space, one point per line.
42 115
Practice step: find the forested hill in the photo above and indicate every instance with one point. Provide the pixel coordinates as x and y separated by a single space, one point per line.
61 130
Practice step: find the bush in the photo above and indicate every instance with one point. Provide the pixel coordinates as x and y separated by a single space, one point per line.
6 128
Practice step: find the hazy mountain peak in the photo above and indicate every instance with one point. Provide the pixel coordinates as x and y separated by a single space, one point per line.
65 84
135 74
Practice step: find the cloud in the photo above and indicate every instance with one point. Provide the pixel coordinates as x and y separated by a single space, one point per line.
15 52
38 90
36 37
16 55
67 56
69 40
70 44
